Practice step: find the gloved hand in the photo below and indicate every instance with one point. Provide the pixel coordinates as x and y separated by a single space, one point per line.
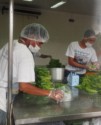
94 66
56 95
91 67
97 66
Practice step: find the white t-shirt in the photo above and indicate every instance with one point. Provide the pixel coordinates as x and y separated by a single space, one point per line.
82 56
23 68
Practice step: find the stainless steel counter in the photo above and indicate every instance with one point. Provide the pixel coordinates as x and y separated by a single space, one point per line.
36 109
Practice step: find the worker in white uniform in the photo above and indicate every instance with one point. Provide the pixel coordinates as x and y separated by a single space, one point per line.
80 54
31 38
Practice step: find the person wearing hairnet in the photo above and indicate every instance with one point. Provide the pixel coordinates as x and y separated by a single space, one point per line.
36 52
81 54
31 38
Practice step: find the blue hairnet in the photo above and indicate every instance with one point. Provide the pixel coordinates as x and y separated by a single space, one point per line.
35 32
89 33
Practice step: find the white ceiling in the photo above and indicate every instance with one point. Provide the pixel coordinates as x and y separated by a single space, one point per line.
88 7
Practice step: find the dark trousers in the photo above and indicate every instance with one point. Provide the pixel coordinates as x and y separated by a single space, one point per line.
2 117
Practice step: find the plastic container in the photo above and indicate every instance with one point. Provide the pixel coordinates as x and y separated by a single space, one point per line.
67 97
67 93
74 91
73 79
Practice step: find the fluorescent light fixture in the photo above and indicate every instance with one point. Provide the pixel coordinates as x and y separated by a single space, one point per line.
58 4
28 0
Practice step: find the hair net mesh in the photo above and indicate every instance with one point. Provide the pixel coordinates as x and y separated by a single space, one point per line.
35 32
89 33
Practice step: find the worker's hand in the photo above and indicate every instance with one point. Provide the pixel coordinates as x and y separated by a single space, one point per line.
94 66
56 95
49 56
45 56
97 65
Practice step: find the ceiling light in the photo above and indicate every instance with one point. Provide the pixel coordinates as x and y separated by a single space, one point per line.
58 4
28 0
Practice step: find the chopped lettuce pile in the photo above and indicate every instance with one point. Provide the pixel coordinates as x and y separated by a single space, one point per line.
91 84
43 78
55 63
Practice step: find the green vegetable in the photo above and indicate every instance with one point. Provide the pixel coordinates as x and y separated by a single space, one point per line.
91 84
55 63
92 67
58 85
91 91
43 78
